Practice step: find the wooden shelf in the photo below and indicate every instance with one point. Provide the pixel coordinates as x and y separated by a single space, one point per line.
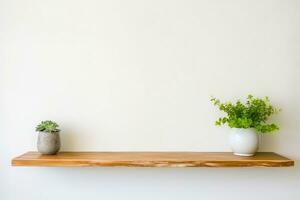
151 159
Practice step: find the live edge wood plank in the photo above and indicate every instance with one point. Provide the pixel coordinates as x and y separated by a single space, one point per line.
151 159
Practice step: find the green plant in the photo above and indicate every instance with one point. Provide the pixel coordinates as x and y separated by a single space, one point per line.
47 126
254 113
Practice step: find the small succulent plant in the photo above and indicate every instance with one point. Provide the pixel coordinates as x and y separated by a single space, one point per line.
47 126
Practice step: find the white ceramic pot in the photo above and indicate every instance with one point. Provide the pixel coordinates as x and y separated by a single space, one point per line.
243 142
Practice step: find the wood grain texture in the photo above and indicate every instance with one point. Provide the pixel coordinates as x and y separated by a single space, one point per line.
151 159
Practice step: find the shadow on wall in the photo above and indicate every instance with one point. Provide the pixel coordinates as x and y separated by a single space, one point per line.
286 138
70 140
188 175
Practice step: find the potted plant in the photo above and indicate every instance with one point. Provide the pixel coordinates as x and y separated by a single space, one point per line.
247 120
48 139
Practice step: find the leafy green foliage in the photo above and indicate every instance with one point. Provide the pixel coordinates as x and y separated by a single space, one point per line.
254 113
47 126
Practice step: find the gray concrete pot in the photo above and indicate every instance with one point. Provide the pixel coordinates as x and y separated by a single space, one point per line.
48 143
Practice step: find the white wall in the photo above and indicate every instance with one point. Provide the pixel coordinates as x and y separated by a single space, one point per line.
136 75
